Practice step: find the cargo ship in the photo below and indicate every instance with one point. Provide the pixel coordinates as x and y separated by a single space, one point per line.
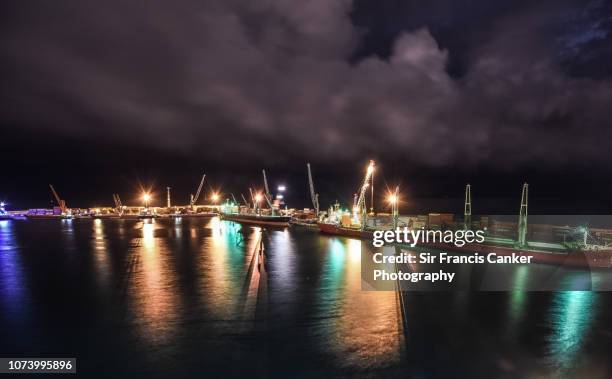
576 255
253 213
580 251
353 223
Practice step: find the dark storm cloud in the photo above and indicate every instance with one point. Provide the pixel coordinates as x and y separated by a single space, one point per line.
240 76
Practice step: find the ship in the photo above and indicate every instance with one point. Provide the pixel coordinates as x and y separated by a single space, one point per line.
578 252
254 213
257 219
577 255
47 214
342 222
195 214
345 231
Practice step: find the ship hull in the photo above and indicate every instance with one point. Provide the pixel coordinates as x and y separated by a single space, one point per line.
48 217
275 221
306 224
344 231
106 216
601 259
575 258
196 215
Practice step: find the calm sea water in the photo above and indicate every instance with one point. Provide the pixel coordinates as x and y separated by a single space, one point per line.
187 298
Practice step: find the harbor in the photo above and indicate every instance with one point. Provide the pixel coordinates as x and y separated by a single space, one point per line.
557 244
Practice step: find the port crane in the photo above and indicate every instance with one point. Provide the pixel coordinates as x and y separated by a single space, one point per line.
522 225
193 199
360 205
61 203
467 208
267 194
118 205
253 199
313 196
245 200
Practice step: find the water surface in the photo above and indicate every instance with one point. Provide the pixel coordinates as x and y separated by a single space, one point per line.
195 297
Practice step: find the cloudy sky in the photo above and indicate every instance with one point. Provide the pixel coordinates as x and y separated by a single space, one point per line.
516 86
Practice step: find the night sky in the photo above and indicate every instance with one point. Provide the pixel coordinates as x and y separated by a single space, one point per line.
104 97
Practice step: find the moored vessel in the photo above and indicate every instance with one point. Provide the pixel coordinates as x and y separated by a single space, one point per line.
257 219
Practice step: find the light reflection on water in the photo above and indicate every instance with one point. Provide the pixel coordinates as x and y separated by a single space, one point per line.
12 285
517 298
101 254
364 327
181 291
152 287
571 317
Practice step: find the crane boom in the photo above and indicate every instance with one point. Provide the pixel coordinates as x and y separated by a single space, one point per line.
245 200
194 199
267 194
266 183
313 196
118 205
362 193
60 202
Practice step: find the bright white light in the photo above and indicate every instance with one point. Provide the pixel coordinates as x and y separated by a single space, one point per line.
146 197
215 197
281 188
280 197
2 204
370 168
258 197
392 199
